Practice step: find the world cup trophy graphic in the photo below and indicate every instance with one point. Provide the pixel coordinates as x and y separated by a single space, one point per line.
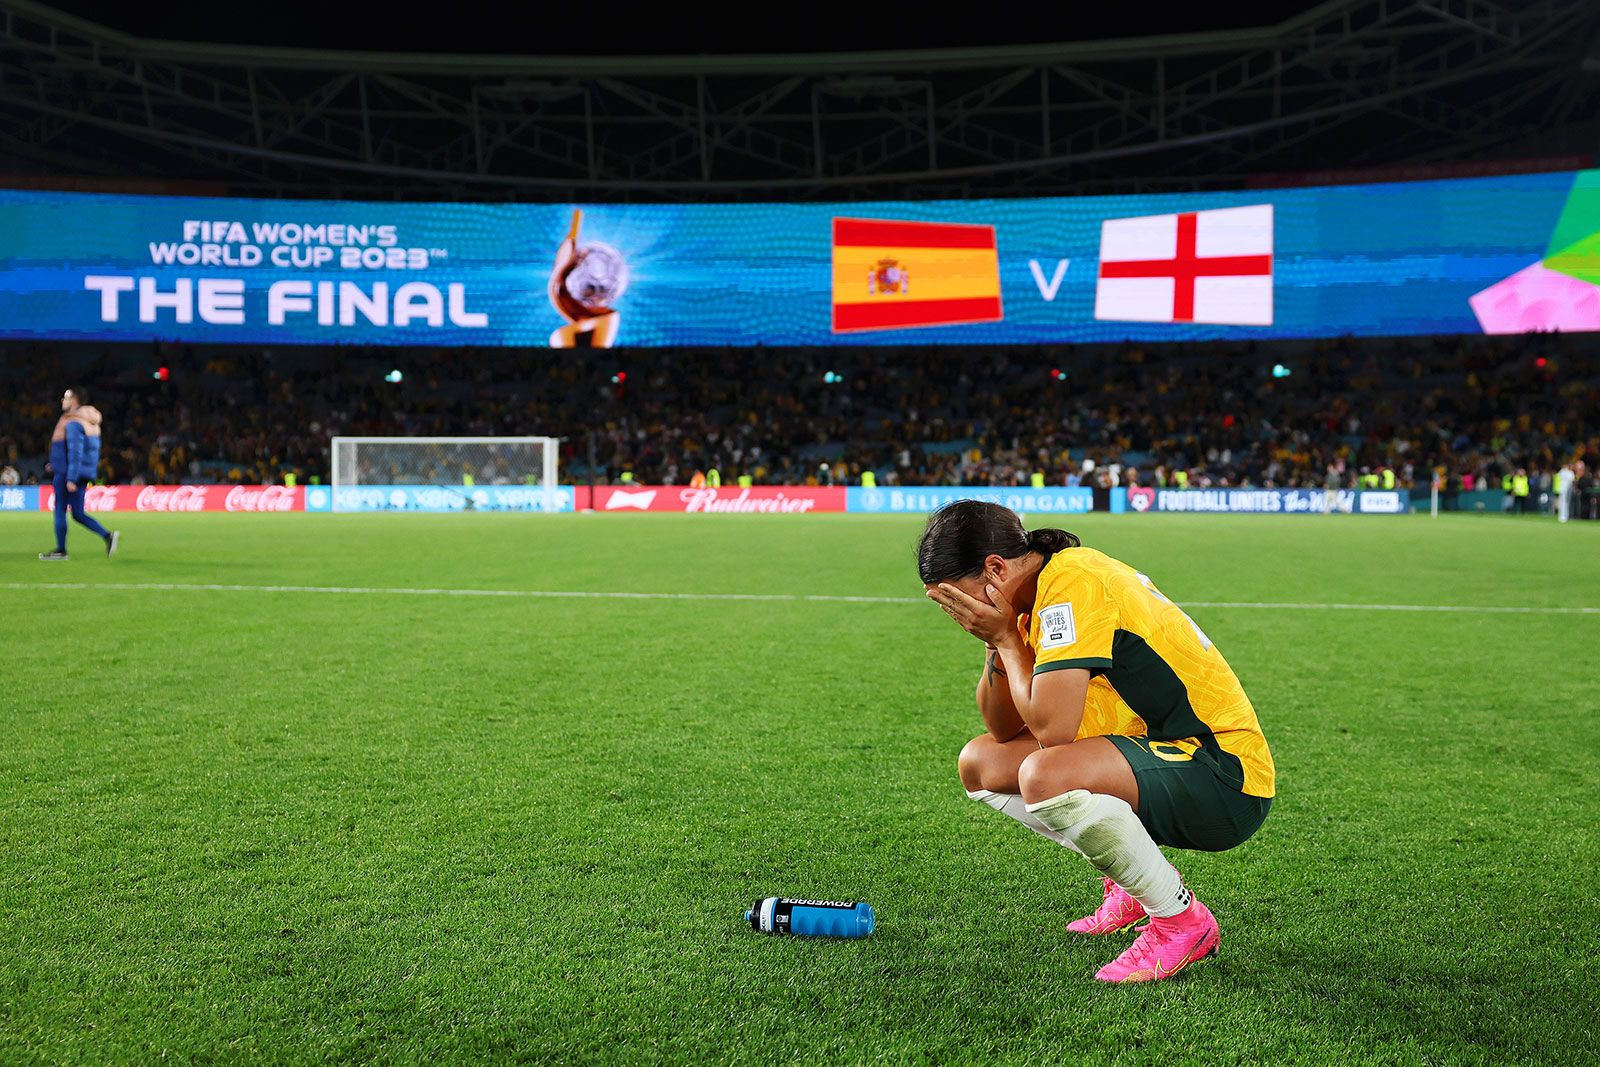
584 286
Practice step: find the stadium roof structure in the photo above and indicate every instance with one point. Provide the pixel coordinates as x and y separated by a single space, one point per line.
1349 83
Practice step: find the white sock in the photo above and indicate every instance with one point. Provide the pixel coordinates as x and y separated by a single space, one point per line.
1011 805
1108 833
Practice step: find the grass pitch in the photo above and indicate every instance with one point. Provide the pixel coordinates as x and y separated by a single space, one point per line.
289 826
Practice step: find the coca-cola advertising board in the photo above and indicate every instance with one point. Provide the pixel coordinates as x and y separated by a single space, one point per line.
185 498
753 500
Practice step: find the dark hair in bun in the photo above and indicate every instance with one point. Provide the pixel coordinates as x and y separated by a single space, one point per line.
962 534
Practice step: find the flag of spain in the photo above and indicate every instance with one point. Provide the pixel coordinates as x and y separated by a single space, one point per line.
889 275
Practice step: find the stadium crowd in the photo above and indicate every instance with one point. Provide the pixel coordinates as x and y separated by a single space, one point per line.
1473 411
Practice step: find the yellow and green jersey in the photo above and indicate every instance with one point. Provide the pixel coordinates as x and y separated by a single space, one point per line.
1153 672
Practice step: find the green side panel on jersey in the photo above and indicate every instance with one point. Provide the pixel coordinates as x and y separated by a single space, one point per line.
1149 685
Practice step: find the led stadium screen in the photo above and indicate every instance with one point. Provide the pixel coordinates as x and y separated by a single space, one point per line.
1486 255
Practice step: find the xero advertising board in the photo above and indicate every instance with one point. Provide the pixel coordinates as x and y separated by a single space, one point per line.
1495 255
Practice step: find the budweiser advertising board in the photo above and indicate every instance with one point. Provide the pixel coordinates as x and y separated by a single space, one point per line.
757 500
185 498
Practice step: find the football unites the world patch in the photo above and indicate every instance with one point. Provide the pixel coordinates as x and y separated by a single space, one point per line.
1056 627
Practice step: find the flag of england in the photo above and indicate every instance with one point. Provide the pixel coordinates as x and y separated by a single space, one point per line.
1196 266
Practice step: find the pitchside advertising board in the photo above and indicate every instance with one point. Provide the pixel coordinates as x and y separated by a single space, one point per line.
440 498
270 498
1483 255
921 500
1270 501
19 498
758 500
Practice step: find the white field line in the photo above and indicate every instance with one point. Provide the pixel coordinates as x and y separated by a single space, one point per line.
577 594
549 594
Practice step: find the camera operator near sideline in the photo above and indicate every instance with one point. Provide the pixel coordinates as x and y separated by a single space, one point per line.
74 460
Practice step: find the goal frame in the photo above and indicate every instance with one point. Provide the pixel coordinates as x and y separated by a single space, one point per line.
551 446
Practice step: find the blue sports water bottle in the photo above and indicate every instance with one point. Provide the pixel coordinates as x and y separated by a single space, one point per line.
811 918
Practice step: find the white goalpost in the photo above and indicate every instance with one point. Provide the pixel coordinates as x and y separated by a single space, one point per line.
444 473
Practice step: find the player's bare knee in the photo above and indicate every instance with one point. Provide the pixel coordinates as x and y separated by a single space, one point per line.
1044 774
988 764
970 764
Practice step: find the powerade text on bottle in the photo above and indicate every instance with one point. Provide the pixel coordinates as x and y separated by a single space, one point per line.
811 918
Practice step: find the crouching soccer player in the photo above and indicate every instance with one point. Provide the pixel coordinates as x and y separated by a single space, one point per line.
1113 724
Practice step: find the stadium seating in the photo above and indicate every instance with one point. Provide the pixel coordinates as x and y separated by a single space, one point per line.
1479 408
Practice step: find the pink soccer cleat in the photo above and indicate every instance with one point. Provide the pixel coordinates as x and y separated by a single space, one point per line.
1117 912
1166 947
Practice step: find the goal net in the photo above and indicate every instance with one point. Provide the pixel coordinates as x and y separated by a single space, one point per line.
444 474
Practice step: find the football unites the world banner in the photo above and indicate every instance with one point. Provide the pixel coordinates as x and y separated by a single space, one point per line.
1481 255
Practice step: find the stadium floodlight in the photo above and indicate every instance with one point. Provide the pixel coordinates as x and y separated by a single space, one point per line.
445 474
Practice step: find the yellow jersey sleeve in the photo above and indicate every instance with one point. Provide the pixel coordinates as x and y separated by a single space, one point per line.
1074 620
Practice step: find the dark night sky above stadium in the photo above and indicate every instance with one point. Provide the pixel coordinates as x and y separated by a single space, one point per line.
564 27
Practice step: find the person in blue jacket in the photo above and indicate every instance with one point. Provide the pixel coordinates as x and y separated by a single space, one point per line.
75 460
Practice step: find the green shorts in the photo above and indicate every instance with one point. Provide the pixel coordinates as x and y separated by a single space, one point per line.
1185 802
